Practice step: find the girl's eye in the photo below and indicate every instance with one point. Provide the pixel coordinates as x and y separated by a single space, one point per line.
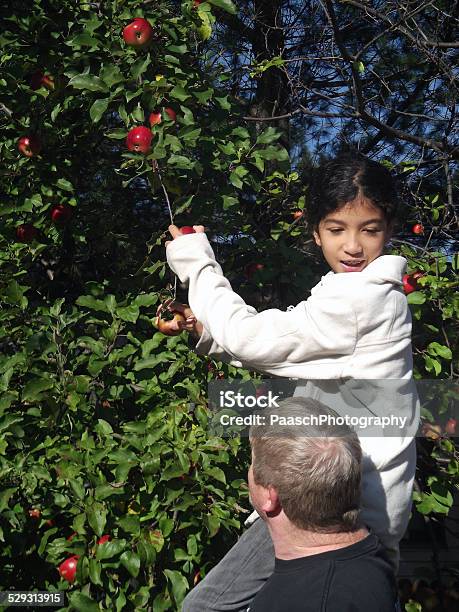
370 231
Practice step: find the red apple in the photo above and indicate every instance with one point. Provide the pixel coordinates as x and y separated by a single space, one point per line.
196 3
38 79
187 229
170 112
50 523
26 232
138 33
450 426
261 390
251 268
417 229
155 118
61 213
67 569
169 327
29 145
103 539
139 139
48 81
410 282
35 513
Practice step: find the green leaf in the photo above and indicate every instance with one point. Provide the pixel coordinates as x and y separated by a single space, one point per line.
128 313
181 162
111 75
83 603
130 524
235 180
15 294
131 562
89 82
90 302
140 66
216 473
268 135
35 387
229 201
434 348
156 539
146 299
213 524
97 109
5 497
432 364
441 494
179 49
417 297
97 517
179 93
178 583
205 29
110 549
226 5
64 184
84 40
162 602
223 102
94 572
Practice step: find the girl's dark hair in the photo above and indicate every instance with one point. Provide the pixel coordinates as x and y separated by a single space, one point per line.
346 177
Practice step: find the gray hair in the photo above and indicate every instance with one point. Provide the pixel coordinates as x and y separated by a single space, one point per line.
315 468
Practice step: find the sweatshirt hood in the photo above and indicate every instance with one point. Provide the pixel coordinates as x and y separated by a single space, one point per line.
384 269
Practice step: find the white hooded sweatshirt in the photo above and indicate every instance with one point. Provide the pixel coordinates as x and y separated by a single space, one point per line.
355 326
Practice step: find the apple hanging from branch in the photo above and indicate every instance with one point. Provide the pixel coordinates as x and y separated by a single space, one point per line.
169 327
410 282
29 145
26 232
38 79
139 139
67 569
138 33
156 116
61 214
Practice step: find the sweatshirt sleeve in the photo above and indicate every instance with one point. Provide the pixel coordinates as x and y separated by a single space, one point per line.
314 329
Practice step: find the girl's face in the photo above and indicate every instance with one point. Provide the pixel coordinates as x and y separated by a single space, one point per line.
353 236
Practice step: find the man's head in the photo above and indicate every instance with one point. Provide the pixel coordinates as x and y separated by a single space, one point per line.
310 472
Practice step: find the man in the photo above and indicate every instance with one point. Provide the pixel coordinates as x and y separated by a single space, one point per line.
304 482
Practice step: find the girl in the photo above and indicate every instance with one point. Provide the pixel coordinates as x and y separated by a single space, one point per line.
354 327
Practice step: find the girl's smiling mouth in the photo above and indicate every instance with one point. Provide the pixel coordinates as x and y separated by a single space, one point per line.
350 265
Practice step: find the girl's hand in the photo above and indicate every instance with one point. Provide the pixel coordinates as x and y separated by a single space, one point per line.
175 232
190 324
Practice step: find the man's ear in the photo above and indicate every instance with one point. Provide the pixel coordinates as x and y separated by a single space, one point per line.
271 503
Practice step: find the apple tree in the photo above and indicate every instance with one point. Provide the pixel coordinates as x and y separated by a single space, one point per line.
115 121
